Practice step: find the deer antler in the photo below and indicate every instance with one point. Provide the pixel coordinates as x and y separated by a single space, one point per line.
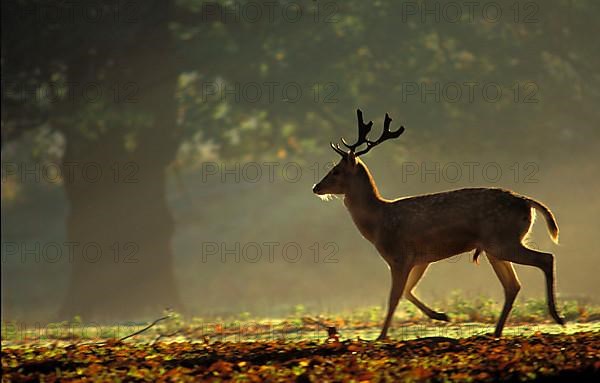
363 130
385 135
337 148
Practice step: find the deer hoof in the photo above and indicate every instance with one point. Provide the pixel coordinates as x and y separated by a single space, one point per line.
442 317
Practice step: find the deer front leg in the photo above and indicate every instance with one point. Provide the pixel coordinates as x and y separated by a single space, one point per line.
506 273
399 277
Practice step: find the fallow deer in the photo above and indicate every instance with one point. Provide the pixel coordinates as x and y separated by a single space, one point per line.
412 232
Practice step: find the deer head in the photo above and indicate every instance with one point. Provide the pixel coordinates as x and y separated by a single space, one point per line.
340 178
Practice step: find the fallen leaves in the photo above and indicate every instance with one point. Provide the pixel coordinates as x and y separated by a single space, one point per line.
573 357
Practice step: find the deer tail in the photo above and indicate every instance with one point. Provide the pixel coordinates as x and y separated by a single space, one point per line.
550 220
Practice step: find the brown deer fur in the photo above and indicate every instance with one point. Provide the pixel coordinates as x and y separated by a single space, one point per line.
412 232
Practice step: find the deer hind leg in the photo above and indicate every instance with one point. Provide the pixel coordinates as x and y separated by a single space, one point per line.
544 261
399 277
506 273
413 278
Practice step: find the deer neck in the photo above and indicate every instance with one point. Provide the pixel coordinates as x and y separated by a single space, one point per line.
364 203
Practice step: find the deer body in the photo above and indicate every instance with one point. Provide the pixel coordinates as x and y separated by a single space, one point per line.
410 233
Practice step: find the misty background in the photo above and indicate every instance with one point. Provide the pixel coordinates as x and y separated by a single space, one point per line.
178 142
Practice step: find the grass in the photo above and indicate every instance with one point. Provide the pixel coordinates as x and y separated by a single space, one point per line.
306 347
469 317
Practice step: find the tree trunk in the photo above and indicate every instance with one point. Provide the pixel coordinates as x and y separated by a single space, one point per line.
121 230
119 222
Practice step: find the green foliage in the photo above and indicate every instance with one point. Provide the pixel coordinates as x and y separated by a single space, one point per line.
368 314
299 310
367 51
573 310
